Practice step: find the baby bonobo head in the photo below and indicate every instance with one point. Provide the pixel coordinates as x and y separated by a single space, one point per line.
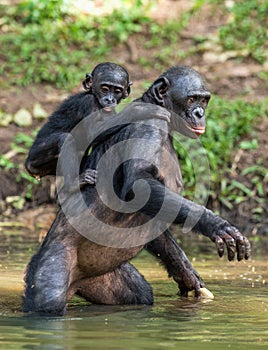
109 83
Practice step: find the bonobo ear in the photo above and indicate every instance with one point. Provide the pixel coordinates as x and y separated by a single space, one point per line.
127 92
87 82
159 89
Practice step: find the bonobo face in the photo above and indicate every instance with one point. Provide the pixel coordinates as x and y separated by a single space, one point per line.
189 98
185 92
109 89
109 83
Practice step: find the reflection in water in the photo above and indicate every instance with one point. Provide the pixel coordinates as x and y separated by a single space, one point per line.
236 319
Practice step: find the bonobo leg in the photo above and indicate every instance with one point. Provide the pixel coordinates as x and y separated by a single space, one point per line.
123 286
166 249
48 276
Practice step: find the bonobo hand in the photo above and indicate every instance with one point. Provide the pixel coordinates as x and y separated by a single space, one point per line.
141 110
222 233
235 242
89 176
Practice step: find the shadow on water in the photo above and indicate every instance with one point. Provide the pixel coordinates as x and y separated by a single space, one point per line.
236 319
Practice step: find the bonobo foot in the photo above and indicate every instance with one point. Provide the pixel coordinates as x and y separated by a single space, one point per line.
89 176
188 279
166 249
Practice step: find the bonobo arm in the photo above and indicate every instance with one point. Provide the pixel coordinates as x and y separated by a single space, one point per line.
43 155
101 128
205 221
175 208
166 249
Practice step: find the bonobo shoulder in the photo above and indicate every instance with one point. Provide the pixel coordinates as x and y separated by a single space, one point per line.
73 102
139 110
152 129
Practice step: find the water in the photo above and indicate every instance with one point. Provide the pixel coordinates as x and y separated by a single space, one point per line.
236 319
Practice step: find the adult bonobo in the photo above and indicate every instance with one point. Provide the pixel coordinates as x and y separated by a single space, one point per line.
105 88
89 245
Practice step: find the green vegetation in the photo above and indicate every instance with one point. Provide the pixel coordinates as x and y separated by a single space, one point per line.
247 29
44 41
20 145
37 37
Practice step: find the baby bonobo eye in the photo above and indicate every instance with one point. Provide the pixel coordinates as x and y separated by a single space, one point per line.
118 91
105 88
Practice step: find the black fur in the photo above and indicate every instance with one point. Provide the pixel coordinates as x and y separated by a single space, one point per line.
87 268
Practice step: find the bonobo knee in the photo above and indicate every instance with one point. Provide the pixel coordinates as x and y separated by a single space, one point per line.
138 290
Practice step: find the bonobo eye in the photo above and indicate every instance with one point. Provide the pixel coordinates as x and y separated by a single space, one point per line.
118 91
204 101
105 89
190 101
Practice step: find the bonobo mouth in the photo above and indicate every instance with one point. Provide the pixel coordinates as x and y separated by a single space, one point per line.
198 131
109 109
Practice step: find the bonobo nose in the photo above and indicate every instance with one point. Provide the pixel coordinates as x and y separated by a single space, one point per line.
198 112
109 100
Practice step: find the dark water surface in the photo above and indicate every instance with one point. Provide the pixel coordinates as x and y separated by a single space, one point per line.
236 319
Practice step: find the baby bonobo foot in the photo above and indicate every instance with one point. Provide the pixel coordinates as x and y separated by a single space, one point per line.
88 177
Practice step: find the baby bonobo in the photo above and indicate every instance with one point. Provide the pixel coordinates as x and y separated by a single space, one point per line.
104 88
88 247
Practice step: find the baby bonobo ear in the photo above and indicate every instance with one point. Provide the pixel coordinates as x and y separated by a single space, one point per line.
159 89
87 82
128 90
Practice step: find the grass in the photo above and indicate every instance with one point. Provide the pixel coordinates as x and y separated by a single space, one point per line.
34 33
29 42
247 29
37 37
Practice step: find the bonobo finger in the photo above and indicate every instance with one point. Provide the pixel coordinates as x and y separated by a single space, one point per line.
230 244
231 247
184 292
242 244
247 248
194 290
90 180
219 245
90 176
240 247
197 291
164 115
91 172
